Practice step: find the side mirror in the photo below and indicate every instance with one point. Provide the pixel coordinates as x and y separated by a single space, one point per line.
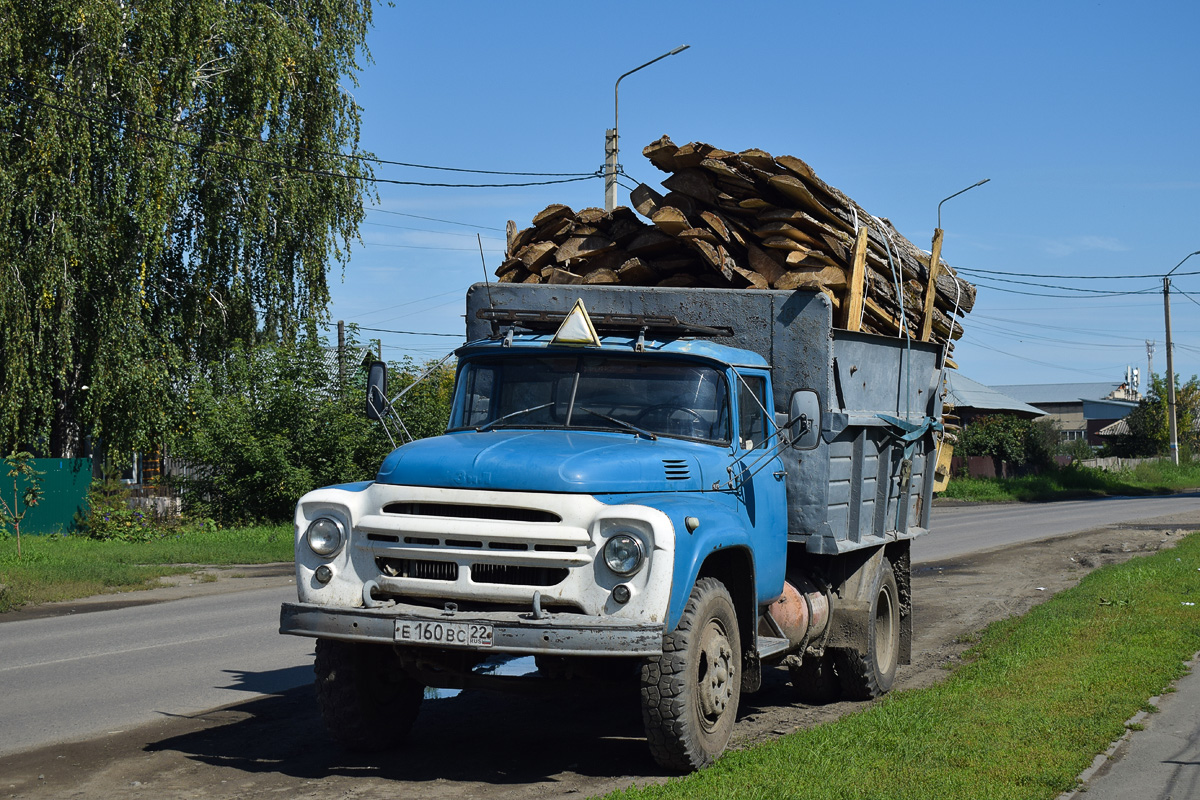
376 390
804 419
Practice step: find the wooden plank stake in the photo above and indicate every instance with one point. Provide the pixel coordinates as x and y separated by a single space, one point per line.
935 264
858 280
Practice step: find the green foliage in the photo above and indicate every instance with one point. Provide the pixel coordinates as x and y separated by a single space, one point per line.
425 409
21 470
1000 436
168 184
1149 430
271 422
109 516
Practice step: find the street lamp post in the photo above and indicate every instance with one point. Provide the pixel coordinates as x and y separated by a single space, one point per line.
935 261
1172 428
610 136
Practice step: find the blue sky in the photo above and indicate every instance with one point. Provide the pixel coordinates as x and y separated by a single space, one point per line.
1083 115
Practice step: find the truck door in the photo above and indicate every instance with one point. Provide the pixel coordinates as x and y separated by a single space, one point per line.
762 488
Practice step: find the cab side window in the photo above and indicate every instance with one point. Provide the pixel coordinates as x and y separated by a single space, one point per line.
752 419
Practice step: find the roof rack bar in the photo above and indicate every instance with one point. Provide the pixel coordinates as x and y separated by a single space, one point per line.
536 319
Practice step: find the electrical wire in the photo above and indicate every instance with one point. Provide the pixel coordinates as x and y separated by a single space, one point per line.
408 303
426 247
1035 361
433 219
1041 325
412 333
1064 288
973 270
327 153
429 230
1092 293
291 167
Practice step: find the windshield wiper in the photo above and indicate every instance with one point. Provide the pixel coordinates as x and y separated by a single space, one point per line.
523 411
626 425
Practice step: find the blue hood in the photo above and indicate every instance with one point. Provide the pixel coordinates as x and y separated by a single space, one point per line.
553 461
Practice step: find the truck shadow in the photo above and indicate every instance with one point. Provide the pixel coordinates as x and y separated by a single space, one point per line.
487 737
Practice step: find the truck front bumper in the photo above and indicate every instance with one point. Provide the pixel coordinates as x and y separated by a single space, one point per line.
556 634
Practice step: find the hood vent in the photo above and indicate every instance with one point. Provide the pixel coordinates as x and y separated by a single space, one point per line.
677 469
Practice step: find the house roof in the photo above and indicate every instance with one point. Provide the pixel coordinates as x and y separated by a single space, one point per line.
1035 393
966 393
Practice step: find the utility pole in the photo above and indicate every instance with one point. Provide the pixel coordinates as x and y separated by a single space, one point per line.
610 135
341 354
1174 434
1171 424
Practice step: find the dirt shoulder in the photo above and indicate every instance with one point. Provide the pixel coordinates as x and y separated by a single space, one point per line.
204 581
479 744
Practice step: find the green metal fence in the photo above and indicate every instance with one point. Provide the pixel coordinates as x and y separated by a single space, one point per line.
64 493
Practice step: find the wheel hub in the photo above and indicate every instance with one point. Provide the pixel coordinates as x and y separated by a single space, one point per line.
718 672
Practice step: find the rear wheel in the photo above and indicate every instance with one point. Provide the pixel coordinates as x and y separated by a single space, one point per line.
690 693
871 674
367 701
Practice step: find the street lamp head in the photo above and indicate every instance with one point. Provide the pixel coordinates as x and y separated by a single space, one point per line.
1180 264
956 194
679 49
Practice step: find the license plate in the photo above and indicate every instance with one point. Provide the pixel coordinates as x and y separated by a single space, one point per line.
450 634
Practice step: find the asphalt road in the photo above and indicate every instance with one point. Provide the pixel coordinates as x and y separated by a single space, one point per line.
74 677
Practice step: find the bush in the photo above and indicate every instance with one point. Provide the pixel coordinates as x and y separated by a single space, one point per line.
271 423
109 516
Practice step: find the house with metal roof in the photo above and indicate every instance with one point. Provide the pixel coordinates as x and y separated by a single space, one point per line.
1080 409
972 399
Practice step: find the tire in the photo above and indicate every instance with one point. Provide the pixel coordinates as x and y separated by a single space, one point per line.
871 674
690 693
367 701
815 682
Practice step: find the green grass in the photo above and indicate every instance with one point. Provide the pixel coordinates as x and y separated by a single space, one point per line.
1077 482
70 567
1039 697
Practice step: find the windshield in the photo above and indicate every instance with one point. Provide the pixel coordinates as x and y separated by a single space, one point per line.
646 396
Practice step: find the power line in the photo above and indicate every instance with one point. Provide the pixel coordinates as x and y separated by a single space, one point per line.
1091 292
970 270
353 156
434 219
425 247
1064 288
409 303
429 230
321 173
1035 361
1039 325
411 333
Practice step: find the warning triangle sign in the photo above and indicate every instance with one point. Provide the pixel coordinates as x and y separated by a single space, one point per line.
577 328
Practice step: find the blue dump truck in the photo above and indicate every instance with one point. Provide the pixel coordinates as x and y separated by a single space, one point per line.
678 488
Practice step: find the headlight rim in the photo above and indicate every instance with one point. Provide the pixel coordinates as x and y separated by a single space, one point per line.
640 561
341 535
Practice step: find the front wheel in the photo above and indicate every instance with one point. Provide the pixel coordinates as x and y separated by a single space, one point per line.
871 674
367 701
690 693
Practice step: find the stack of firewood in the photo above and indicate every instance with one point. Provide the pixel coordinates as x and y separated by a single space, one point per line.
747 220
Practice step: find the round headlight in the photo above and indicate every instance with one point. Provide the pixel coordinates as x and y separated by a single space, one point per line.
325 536
623 554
